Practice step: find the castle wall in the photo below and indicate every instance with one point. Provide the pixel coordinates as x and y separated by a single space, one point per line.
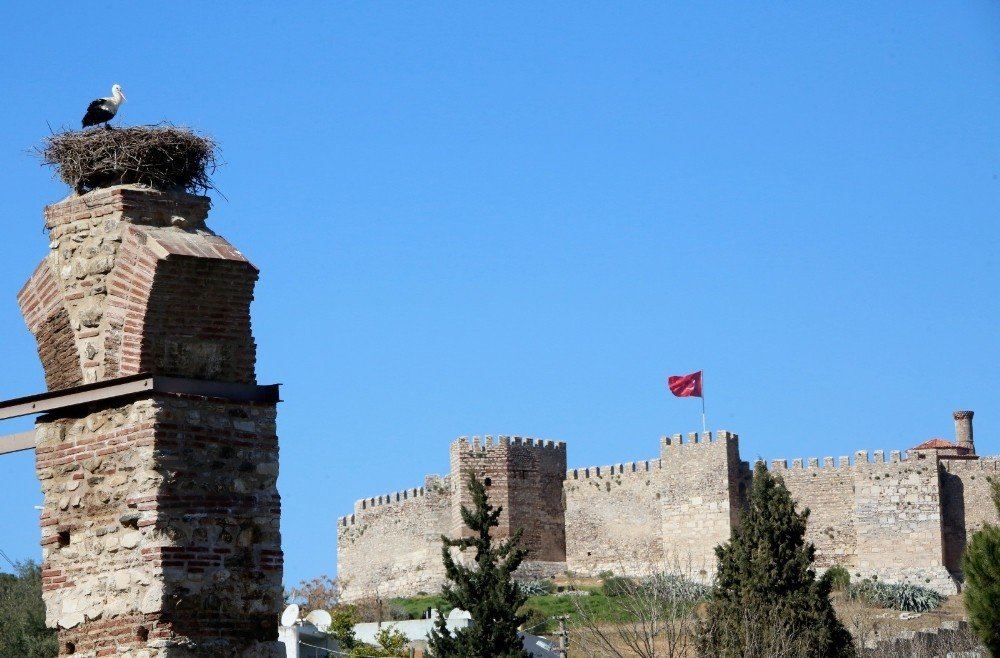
534 501
828 492
877 518
900 520
391 545
966 503
613 518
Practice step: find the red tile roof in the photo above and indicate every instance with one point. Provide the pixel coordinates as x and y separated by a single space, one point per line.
935 444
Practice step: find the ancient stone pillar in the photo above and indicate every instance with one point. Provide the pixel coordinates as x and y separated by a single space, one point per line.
963 431
160 528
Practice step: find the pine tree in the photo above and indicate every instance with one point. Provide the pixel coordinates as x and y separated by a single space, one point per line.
767 600
485 589
981 564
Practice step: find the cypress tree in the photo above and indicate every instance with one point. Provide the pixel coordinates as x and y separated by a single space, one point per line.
486 589
766 600
981 564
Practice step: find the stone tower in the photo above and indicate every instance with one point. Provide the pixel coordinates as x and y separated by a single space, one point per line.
525 476
704 483
963 431
160 528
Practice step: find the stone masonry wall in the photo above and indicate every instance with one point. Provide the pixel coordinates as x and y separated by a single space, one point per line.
613 518
160 528
828 492
134 282
534 497
905 519
875 517
161 513
897 513
391 544
525 477
966 503
700 501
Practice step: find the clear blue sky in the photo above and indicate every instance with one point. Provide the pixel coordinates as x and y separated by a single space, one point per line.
519 218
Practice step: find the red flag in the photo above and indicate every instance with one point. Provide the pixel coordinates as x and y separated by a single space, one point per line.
685 386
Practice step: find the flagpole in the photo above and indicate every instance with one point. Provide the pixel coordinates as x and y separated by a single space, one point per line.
703 427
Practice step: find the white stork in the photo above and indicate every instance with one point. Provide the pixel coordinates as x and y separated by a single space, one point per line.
103 110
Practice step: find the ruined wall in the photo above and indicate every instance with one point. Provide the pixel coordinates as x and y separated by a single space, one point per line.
159 527
161 513
391 544
613 518
134 282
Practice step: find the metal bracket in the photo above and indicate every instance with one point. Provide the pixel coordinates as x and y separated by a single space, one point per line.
124 387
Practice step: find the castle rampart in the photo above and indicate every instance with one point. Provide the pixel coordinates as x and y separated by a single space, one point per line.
613 517
415 519
391 545
900 516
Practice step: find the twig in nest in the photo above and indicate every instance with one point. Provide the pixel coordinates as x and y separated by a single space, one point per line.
161 156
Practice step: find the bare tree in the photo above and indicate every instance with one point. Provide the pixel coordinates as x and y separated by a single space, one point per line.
321 593
757 634
653 616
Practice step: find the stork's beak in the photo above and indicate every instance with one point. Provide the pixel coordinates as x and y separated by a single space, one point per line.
123 95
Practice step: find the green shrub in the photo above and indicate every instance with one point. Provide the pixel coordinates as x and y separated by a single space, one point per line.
838 577
537 622
618 586
898 596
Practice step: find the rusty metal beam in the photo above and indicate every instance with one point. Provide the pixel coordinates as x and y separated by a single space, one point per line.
133 385
17 442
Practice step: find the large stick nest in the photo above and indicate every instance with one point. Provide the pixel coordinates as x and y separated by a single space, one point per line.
161 156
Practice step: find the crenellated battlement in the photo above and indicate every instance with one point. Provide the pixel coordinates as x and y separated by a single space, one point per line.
861 459
695 439
431 483
489 442
625 469
899 515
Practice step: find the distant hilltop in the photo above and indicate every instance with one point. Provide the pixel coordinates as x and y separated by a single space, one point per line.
903 519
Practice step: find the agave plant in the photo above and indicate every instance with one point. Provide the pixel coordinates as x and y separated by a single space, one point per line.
536 588
898 596
676 588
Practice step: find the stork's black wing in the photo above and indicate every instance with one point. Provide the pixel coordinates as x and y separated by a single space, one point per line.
97 112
